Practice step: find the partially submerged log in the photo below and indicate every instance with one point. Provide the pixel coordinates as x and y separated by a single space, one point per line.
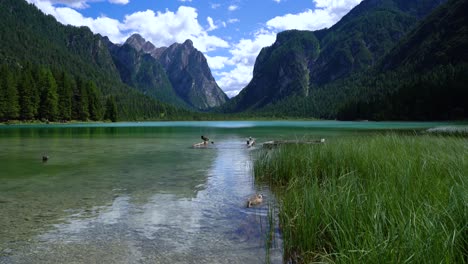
201 144
275 143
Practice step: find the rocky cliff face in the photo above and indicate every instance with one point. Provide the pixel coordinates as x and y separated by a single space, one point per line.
191 77
187 70
280 71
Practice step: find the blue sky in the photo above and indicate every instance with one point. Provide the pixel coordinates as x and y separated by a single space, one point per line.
230 33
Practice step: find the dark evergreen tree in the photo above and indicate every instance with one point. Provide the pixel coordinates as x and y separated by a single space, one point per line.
94 102
48 108
28 96
80 101
65 92
9 107
111 109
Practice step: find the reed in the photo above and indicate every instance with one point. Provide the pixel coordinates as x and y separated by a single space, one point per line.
380 199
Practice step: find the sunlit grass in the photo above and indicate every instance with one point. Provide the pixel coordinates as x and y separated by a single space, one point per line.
380 199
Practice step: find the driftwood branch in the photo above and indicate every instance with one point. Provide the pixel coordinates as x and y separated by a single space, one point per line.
275 143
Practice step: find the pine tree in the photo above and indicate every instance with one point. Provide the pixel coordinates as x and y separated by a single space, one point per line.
9 107
48 108
65 92
94 103
2 96
111 109
80 101
28 96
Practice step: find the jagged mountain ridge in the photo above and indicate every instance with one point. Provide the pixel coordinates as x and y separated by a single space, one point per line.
187 70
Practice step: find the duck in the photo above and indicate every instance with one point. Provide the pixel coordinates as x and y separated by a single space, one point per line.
255 200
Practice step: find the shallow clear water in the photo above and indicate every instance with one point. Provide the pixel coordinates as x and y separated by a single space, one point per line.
138 193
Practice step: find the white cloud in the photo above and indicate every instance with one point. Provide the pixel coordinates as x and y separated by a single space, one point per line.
119 2
217 62
79 4
103 25
233 20
277 1
233 7
211 24
327 13
163 29
215 6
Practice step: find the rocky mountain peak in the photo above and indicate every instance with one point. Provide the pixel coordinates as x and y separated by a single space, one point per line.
136 41
140 44
188 43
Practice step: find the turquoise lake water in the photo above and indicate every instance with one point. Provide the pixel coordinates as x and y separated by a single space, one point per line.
139 193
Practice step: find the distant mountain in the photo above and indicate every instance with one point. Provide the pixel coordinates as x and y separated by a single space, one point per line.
187 70
300 61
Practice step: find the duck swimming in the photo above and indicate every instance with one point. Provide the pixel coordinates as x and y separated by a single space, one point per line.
255 200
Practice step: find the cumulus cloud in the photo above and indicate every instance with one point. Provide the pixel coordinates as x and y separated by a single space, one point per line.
233 20
233 7
103 25
211 24
80 4
327 13
215 6
119 2
161 28
217 62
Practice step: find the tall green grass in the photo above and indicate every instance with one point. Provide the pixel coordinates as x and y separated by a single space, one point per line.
379 199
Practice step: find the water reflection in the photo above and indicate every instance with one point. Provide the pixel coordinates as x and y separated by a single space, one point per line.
188 211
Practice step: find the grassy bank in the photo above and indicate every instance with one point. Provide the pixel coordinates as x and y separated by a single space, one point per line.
381 199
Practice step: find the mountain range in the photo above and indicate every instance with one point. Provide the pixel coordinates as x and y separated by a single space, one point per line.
385 59
178 74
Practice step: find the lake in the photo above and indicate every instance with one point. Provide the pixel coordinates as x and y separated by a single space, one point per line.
138 192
